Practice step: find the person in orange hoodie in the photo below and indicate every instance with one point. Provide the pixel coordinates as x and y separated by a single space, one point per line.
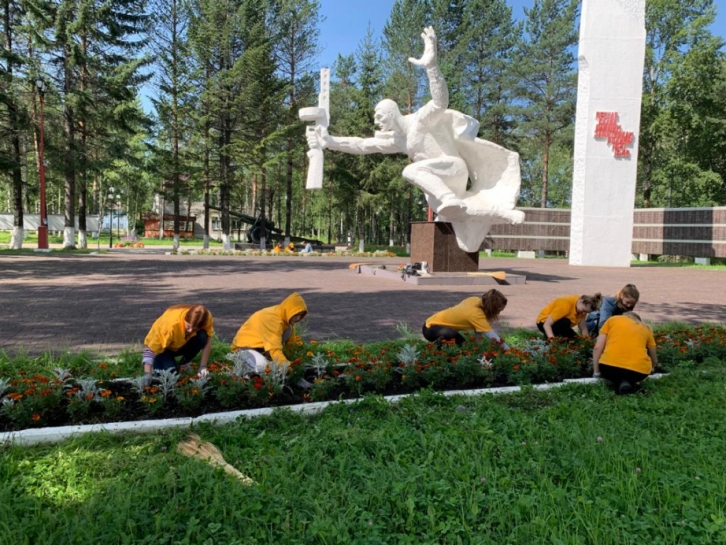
183 330
266 331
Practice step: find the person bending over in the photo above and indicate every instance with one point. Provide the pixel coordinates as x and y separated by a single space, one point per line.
181 332
624 352
624 301
267 330
562 314
473 313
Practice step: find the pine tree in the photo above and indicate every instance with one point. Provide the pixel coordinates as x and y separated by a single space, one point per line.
547 84
295 35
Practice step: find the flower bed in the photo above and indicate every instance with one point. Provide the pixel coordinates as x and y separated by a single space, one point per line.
335 371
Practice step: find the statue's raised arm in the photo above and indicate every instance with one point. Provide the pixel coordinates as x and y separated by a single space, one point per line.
429 60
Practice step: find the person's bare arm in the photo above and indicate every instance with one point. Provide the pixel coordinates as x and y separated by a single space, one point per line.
653 358
597 352
582 326
547 326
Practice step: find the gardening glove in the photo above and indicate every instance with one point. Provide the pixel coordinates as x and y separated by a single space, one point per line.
596 375
147 380
203 372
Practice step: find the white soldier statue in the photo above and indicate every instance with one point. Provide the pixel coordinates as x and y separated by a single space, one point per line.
446 154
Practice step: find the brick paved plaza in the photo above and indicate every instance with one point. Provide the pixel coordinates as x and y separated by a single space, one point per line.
107 302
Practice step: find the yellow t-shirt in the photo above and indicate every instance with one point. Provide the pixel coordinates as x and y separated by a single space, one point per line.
264 329
562 307
169 331
626 344
465 316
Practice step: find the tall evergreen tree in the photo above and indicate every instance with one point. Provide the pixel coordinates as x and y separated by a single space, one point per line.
547 84
13 119
491 38
295 35
173 103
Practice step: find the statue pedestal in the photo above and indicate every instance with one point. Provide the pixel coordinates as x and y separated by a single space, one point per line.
435 243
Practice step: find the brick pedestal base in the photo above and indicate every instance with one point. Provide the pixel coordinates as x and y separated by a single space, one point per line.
435 243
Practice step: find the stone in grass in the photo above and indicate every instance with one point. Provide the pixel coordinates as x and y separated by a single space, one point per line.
462 409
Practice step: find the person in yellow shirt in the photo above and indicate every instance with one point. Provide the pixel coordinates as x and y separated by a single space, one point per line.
624 352
562 314
473 313
266 331
181 331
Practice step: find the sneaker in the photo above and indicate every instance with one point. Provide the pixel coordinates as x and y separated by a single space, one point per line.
625 388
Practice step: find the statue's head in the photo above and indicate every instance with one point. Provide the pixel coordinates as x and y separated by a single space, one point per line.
386 114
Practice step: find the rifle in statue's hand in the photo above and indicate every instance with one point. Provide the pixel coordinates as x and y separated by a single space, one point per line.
321 116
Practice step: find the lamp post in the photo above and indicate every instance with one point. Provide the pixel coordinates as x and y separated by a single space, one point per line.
43 226
114 195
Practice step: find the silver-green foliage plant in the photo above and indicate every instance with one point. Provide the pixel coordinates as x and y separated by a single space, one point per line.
320 364
63 375
139 383
167 382
242 363
277 375
407 356
87 390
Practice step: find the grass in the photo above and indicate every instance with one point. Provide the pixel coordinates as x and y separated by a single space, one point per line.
525 468
715 267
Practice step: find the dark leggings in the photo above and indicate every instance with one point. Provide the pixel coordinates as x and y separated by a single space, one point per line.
167 359
617 375
561 328
438 333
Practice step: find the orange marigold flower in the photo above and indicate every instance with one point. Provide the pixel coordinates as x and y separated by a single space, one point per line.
358 378
120 398
29 392
309 354
103 365
36 417
15 396
313 342
105 393
88 396
152 400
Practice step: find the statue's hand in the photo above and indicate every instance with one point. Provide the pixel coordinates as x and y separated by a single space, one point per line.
428 59
317 137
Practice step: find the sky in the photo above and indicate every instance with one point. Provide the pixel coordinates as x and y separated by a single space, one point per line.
346 22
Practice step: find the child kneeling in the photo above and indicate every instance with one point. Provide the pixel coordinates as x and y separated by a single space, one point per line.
624 353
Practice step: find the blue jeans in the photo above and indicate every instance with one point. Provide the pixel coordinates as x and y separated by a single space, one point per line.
167 359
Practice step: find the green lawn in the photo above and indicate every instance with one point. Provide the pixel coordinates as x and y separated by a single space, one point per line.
575 465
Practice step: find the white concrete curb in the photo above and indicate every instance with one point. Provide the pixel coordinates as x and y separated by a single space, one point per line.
59 434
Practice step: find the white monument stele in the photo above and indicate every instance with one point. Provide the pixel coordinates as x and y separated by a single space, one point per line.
610 86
